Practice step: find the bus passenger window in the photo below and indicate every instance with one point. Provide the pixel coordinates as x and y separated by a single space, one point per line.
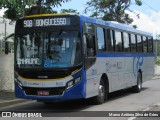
126 42
145 44
101 39
150 44
133 43
90 45
139 44
109 41
89 39
118 41
89 48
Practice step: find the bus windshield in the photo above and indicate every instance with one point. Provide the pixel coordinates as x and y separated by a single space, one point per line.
59 49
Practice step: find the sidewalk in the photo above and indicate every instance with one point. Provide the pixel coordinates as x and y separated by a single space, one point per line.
8 98
156 77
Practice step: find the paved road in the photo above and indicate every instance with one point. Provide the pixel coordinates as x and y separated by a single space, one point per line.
118 101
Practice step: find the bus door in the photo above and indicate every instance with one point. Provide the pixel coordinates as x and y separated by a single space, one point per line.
90 58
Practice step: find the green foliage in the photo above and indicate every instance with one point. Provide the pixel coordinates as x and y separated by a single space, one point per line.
18 8
156 46
1 51
135 26
11 13
138 2
157 62
111 10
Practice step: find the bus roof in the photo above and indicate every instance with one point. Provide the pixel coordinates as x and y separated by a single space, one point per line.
110 24
44 15
113 24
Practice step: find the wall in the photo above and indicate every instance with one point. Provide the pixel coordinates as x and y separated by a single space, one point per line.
157 70
6 71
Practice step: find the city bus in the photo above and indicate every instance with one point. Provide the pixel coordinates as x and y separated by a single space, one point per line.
62 57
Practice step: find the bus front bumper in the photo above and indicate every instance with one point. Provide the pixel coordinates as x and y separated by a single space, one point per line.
75 92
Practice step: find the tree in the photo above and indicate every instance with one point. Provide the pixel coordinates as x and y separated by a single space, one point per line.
111 10
18 8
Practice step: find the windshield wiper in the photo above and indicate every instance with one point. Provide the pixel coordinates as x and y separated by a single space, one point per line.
59 33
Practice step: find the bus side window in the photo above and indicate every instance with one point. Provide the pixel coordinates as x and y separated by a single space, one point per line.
101 39
89 39
118 41
89 48
126 42
145 44
91 45
133 43
109 40
150 44
139 44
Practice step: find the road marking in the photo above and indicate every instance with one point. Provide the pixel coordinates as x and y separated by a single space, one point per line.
147 108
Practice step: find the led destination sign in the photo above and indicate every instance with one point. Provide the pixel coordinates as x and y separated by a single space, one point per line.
46 22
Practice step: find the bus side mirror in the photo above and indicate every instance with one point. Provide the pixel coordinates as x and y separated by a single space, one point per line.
6 47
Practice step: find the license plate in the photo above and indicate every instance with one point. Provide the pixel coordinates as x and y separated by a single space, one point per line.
43 93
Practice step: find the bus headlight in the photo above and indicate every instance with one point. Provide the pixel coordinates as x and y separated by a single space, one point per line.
18 82
73 82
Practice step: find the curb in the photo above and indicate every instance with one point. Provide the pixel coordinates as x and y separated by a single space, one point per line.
157 77
11 102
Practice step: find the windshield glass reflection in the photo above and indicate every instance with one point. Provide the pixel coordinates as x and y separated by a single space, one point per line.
48 50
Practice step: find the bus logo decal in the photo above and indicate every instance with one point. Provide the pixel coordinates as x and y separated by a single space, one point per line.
137 64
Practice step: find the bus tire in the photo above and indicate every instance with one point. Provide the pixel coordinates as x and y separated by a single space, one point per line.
100 98
138 87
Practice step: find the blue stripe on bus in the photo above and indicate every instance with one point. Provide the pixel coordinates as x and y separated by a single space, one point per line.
123 55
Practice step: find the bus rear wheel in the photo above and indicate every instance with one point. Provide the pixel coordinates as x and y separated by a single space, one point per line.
138 87
100 98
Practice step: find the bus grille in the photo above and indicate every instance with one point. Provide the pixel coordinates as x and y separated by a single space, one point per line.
49 74
52 91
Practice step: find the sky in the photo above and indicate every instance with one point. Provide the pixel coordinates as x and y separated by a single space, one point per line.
149 13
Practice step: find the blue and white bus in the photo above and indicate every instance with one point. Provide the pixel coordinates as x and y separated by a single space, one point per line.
63 57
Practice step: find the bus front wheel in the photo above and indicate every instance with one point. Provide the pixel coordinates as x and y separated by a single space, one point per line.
100 98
